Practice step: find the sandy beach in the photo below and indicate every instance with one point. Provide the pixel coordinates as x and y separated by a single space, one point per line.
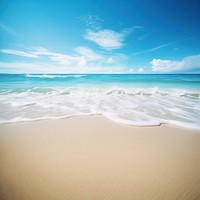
91 157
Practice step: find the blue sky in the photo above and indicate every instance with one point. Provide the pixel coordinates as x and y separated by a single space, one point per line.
101 36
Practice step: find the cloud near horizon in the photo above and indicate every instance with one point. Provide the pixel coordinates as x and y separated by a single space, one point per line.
187 63
84 55
19 53
84 60
41 68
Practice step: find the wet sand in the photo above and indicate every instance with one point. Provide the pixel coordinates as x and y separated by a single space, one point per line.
91 157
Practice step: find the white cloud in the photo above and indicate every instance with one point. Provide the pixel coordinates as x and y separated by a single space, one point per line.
88 53
110 60
64 59
82 57
83 60
106 38
141 70
92 21
131 70
24 67
19 53
187 63
41 68
40 51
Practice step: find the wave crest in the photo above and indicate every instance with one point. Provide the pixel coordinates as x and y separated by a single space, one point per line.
54 76
133 106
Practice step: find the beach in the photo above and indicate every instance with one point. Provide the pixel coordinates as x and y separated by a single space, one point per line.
92 157
99 100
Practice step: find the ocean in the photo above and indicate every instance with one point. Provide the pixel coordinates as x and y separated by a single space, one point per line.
132 99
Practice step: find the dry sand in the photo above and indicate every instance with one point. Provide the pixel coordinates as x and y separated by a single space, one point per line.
92 158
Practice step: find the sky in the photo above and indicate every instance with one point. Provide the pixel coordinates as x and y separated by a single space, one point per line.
101 36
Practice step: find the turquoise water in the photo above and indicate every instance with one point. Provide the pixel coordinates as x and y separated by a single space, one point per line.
140 100
20 81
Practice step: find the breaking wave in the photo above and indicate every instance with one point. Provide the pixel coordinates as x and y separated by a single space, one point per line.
132 106
54 76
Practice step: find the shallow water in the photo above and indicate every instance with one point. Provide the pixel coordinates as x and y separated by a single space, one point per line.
141 100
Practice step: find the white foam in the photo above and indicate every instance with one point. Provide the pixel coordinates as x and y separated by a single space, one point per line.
133 106
54 76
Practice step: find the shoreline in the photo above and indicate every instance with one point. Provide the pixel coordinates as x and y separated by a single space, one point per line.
194 130
91 157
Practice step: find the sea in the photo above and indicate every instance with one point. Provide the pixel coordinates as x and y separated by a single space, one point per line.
131 99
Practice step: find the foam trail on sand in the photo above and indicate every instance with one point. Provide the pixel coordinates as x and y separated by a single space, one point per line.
133 106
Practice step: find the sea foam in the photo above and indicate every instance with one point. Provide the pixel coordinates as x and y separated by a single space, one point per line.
132 106
54 76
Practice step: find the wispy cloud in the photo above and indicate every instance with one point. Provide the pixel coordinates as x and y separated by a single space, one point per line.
8 30
82 60
43 68
88 53
106 38
92 21
27 67
155 48
19 53
84 55
186 64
